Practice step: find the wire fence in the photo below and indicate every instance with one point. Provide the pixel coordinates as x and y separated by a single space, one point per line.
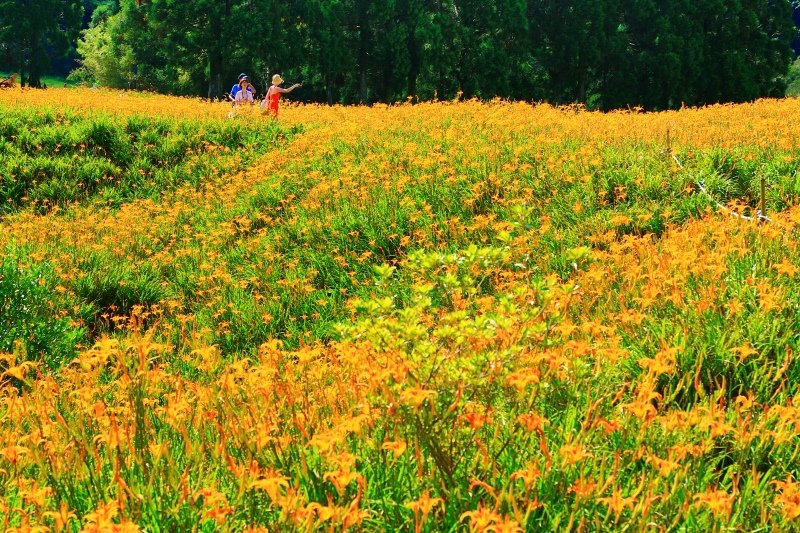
760 213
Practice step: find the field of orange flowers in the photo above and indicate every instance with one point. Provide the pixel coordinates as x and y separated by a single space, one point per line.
437 317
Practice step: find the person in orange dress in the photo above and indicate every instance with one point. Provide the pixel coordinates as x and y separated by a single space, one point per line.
272 98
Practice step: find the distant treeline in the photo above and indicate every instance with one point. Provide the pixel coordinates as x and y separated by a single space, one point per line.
605 53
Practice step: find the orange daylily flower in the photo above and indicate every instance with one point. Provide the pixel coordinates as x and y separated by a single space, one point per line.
718 501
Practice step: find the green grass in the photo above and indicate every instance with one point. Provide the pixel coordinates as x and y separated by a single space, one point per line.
55 161
47 80
54 157
32 325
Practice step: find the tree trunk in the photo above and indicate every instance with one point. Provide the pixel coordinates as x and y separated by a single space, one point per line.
414 55
413 70
215 89
21 63
35 68
216 62
363 38
362 89
329 93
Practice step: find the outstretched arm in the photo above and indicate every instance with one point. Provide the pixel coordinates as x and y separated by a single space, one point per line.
290 89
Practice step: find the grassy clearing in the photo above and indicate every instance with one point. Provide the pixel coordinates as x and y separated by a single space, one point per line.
48 81
435 317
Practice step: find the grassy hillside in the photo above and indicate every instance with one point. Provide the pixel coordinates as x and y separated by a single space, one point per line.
51 158
446 316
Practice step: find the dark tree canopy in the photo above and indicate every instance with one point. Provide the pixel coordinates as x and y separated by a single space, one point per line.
32 32
603 53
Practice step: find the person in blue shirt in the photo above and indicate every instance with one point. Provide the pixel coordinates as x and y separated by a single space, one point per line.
237 86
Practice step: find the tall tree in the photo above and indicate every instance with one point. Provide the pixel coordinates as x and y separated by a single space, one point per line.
575 36
496 46
655 56
605 53
198 33
747 49
35 30
105 60
329 56
442 44
363 20
266 37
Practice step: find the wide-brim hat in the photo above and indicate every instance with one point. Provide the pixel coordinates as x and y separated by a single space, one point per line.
276 79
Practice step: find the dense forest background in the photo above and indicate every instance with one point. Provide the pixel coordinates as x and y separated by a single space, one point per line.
603 53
